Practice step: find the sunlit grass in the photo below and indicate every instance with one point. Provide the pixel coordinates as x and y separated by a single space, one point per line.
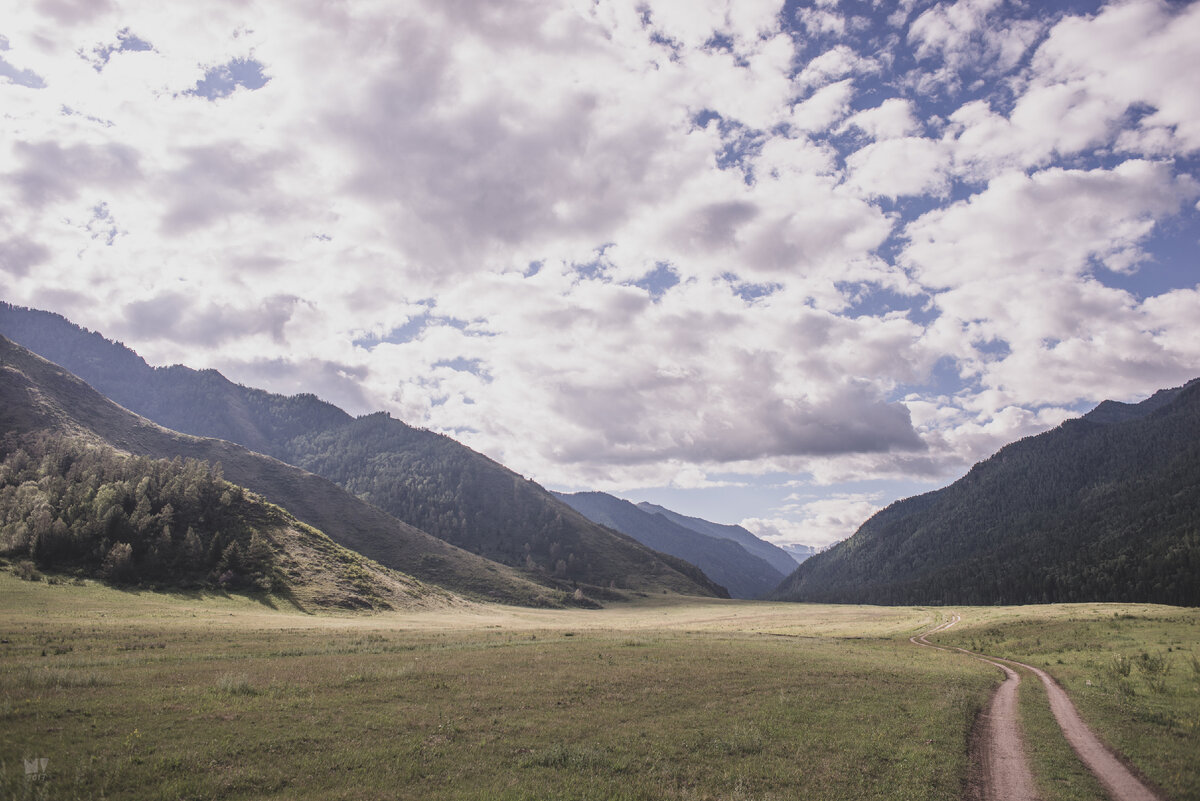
666 698
1127 667
225 697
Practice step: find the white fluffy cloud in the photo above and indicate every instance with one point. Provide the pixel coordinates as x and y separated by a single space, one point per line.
966 38
1080 97
895 167
891 119
622 244
820 522
1055 222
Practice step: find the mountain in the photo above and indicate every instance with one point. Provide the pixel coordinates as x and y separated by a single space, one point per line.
799 552
773 555
38 397
425 479
724 561
78 507
1103 508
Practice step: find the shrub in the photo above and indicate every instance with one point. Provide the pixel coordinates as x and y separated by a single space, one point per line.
236 684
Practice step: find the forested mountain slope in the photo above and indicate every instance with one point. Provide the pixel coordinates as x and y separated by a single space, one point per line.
1103 508
37 396
773 555
724 561
74 506
425 479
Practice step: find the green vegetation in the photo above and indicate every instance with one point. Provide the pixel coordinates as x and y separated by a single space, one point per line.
132 695
67 504
1103 508
38 398
1131 670
72 508
424 479
434 483
135 697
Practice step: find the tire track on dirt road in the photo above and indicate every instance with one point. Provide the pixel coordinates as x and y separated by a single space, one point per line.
1118 780
1003 766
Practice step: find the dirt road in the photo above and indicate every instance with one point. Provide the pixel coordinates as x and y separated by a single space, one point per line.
1002 769
1005 770
1117 779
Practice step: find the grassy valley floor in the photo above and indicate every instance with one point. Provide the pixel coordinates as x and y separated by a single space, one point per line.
142 695
1132 670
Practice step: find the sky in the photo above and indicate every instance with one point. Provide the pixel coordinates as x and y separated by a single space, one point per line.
769 263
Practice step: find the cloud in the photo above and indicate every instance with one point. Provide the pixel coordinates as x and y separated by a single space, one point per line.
1077 98
18 254
657 387
223 180
896 167
839 62
891 119
622 244
73 12
824 107
818 523
1055 222
1156 41
175 316
961 36
50 172
1026 271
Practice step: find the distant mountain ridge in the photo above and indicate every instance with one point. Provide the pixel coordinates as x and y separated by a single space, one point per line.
773 555
1105 507
39 397
800 552
723 560
425 479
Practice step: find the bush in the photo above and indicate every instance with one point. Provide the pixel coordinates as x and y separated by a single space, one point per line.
236 684
25 571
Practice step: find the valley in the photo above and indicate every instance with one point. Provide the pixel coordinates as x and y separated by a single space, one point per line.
413 620
133 694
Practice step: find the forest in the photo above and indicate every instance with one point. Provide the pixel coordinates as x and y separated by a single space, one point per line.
1102 508
422 478
71 506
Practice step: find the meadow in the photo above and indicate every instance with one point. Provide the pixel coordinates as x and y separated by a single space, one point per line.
1132 670
144 695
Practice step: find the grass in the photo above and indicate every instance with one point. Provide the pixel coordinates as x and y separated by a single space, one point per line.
226 697
478 715
1057 771
139 695
1127 667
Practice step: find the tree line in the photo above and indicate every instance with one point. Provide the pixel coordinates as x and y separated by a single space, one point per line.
72 506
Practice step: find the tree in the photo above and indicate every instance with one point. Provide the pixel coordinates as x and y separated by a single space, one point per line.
118 564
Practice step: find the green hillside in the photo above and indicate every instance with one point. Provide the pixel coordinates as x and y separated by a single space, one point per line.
425 479
1102 508
74 507
37 396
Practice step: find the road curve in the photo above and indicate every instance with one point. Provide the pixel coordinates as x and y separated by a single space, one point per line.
1119 782
1002 762
1117 779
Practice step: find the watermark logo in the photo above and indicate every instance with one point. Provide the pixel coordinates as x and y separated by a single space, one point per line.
35 769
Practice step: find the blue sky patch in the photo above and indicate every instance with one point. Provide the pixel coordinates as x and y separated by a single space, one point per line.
222 81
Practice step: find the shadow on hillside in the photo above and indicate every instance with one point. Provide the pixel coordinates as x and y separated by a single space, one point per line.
280 600
277 601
